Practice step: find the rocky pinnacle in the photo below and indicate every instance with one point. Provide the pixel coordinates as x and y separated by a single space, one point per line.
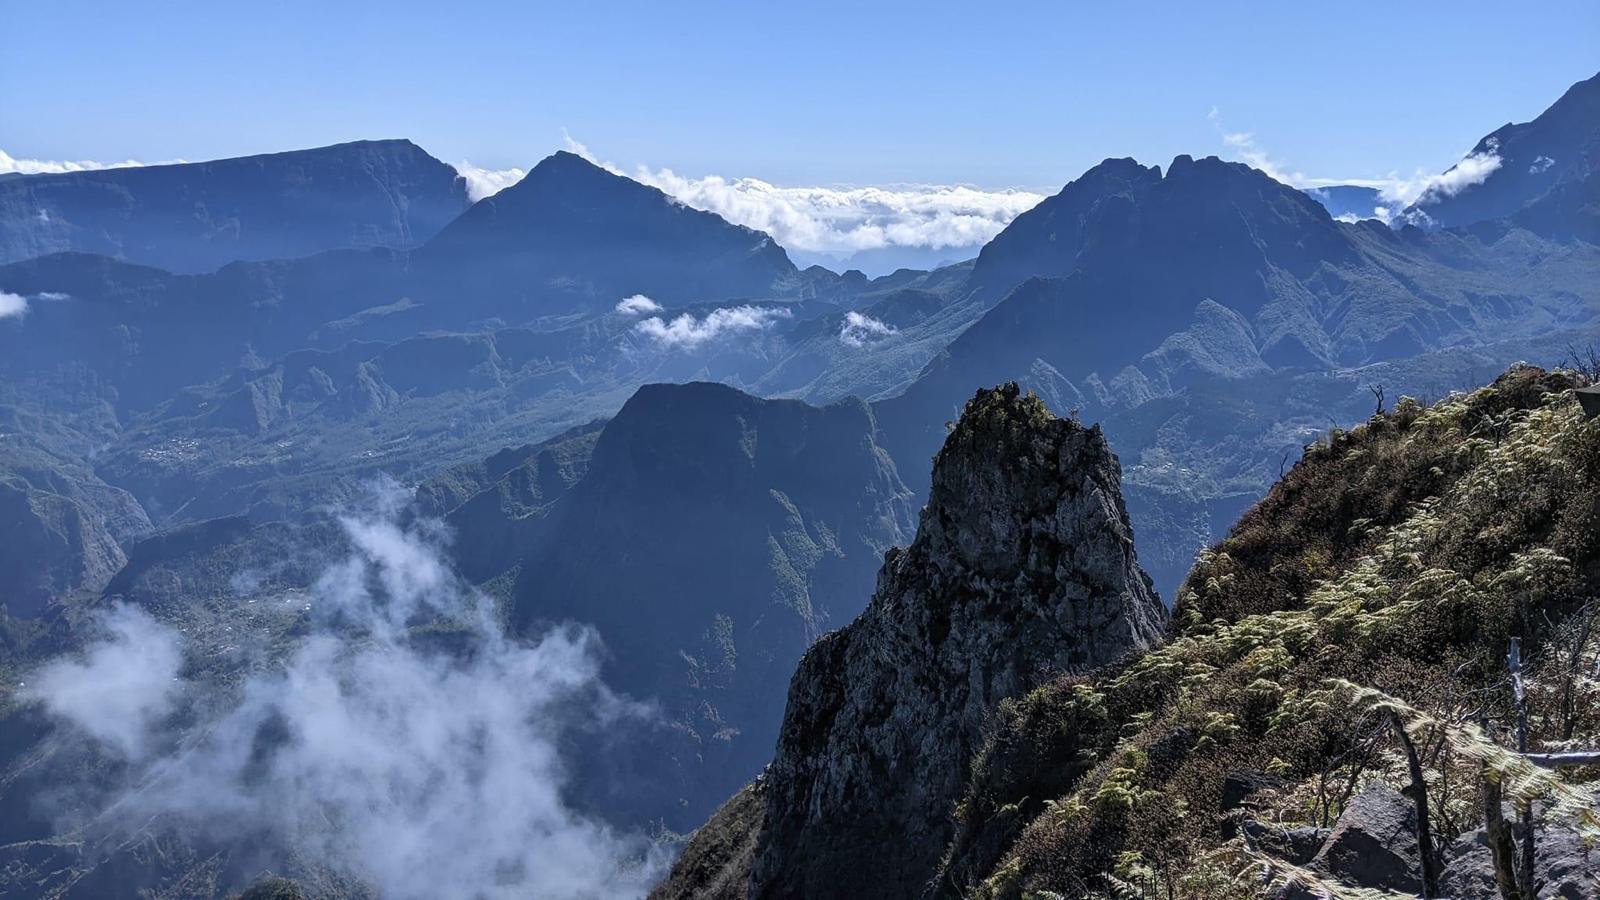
1022 568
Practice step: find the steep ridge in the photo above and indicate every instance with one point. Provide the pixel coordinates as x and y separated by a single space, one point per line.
196 217
1400 557
1022 568
1524 161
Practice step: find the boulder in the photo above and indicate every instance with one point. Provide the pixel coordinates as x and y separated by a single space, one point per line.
1563 866
1374 843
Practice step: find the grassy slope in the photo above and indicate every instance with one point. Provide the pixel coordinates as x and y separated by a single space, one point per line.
1401 555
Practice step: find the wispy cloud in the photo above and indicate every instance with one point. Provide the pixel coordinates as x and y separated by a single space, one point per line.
1474 168
687 332
428 768
119 691
842 219
637 305
11 165
1247 150
1396 192
12 305
483 182
859 330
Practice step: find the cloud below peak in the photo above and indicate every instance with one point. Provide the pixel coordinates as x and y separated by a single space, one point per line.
423 768
1395 192
842 219
10 165
483 182
637 305
688 333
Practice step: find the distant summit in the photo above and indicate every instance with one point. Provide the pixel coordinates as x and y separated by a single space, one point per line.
1525 161
197 217
573 228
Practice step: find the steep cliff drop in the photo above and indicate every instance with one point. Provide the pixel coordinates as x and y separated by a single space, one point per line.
1022 568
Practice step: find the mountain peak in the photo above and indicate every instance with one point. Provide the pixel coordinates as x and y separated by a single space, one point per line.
1022 568
572 234
1517 164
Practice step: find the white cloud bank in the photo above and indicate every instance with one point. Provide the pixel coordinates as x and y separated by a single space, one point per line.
11 165
12 305
483 182
688 333
843 220
425 771
828 220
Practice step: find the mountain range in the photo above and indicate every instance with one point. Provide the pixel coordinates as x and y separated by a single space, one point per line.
636 415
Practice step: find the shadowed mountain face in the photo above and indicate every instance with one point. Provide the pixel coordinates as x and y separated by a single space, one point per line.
1528 159
713 536
196 217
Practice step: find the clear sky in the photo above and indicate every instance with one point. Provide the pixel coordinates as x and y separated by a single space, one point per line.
998 95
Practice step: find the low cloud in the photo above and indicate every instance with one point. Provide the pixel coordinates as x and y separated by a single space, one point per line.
842 220
11 165
12 305
483 182
1421 189
426 763
688 333
122 687
637 305
859 330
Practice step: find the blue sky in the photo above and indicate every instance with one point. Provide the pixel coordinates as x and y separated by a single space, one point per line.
1008 95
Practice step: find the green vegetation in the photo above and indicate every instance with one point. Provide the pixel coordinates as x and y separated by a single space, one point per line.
1379 582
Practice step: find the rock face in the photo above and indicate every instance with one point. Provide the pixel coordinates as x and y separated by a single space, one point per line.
1023 567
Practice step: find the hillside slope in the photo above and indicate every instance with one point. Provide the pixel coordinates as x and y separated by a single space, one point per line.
1392 565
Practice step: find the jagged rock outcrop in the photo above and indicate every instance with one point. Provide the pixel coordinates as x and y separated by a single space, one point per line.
1023 567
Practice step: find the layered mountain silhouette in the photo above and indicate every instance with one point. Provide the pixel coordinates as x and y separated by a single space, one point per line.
197 217
711 474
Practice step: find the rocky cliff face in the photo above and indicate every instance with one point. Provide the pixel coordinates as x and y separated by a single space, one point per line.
1022 567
